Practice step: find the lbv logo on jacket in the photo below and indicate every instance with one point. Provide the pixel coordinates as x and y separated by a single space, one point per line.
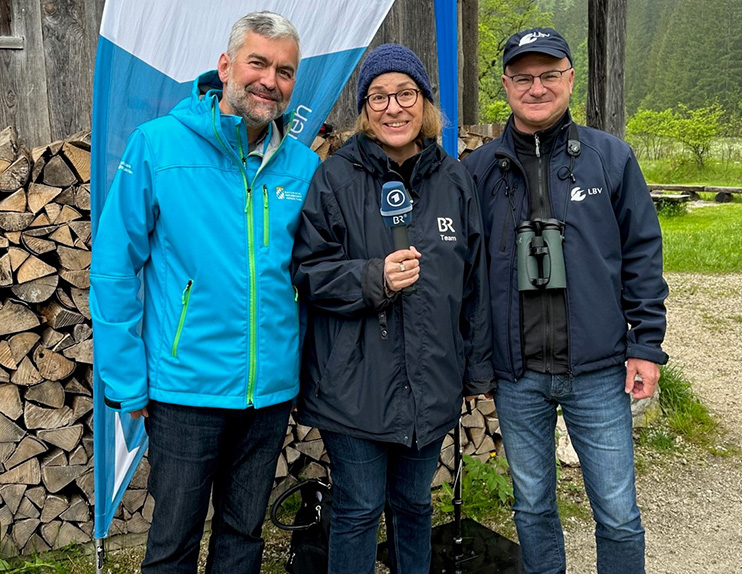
445 225
579 194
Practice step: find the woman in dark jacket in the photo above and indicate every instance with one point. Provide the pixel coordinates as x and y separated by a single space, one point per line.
384 371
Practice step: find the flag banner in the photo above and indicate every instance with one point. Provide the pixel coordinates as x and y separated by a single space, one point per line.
446 29
148 55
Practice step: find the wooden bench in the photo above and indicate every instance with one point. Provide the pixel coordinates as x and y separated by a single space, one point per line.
658 196
723 194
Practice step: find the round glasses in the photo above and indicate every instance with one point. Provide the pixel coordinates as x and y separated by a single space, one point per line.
405 99
550 79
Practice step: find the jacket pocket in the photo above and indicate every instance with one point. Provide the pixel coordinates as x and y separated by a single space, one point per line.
185 300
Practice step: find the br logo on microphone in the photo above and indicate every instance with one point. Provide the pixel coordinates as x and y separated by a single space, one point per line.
445 225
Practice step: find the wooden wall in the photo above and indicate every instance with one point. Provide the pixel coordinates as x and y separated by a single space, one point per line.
46 87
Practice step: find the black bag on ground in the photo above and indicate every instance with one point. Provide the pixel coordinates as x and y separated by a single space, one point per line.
310 532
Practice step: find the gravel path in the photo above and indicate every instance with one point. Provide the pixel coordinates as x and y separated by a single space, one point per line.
692 506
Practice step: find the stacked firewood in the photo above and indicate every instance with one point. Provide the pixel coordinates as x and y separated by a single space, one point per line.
304 455
46 352
46 434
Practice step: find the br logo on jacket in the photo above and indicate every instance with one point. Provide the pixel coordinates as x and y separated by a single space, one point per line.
445 225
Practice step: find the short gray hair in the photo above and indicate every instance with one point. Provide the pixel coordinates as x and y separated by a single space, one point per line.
267 24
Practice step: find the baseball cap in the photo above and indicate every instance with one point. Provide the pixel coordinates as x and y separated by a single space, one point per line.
539 40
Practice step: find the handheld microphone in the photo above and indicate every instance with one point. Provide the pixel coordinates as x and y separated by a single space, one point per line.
396 209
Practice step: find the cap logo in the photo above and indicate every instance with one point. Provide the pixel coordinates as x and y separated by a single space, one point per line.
532 37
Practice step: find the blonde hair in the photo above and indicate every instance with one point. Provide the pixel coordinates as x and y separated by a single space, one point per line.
432 126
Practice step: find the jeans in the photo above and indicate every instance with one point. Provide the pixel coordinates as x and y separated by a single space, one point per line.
193 448
366 475
597 412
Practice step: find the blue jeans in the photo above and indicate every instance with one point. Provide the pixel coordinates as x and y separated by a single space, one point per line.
193 448
365 476
597 412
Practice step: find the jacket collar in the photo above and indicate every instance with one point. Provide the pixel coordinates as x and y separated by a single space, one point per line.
365 153
506 146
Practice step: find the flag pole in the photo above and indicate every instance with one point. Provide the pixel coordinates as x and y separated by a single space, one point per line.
100 555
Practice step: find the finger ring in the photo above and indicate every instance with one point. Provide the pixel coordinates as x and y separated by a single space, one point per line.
402 268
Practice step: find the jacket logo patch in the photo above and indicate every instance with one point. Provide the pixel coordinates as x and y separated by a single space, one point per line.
125 167
282 193
445 225
579 194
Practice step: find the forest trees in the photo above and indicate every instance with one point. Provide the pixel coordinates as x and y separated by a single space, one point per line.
678 52
498 20
695 129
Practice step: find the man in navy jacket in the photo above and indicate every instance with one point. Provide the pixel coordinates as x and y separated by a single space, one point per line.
575 267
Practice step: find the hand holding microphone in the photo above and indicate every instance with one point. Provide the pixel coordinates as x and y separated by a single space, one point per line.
401 268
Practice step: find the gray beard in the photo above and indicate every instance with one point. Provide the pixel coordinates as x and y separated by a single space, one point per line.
237 99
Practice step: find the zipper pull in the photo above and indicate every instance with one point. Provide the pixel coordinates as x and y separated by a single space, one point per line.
248 202
538 148
265 196
186 291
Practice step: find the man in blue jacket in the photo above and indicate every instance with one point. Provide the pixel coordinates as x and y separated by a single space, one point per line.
205 205
575 267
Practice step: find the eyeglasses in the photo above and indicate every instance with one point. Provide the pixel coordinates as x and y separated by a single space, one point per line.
523 82
405 99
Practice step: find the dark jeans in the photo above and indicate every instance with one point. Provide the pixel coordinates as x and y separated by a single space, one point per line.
598 416
193 448
365 475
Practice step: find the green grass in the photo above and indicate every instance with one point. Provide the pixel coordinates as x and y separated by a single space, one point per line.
66 560
658 439
684 172
705 240
685 414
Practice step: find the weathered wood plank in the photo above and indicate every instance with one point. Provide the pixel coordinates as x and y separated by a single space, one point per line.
23 99
66 51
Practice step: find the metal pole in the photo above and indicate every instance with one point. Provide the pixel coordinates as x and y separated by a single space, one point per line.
100 555
458 540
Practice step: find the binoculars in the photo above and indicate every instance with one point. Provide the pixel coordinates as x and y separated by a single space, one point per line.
540 255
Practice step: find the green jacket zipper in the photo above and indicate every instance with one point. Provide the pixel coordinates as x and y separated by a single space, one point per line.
253 291
266 218
253 351
185 299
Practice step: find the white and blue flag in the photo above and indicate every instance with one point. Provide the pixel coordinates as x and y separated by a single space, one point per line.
148 54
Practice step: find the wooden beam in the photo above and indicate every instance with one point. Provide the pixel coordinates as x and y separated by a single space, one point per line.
606 60
11 43
470 74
